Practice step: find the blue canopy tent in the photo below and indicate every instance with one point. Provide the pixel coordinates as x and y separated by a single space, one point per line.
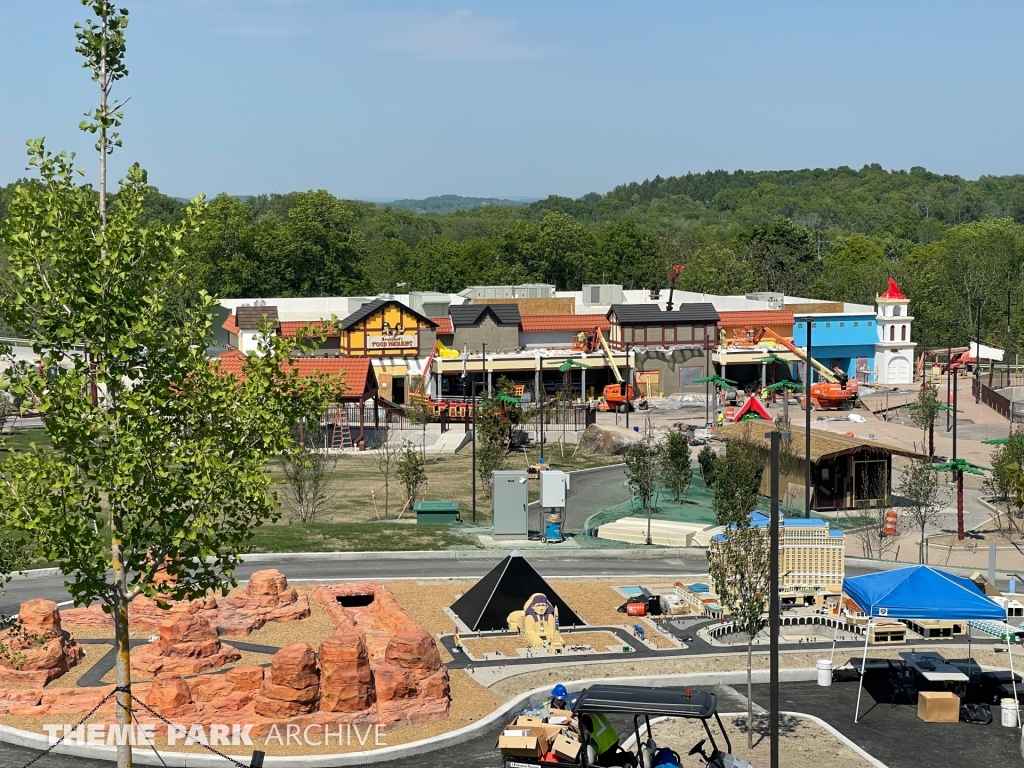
919 592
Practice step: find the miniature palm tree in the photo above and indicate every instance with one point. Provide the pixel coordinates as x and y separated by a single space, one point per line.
718 382
959 466
786 386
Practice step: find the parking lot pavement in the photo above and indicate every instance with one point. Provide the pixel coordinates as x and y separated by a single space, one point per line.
895 735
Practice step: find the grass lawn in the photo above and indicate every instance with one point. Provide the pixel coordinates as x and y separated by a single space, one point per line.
20 439
359 492
358 537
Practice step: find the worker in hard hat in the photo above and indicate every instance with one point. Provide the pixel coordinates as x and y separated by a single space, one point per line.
559 697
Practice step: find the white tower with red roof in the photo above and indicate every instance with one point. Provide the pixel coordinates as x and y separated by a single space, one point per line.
894 351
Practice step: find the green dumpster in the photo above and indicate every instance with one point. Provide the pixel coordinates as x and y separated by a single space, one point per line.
437 512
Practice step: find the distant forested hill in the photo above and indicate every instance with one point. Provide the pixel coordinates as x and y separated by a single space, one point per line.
449 204
955 245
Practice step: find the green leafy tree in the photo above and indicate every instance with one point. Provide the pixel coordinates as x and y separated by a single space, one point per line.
642 470
924 413
706 460
737 483
1005 483
853 269
411 473
674 460
923 499
158 459
492 429
739 561
715 269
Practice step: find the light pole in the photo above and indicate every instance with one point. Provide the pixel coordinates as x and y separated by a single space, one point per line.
626 387
977 362
807 425
472 392
773 602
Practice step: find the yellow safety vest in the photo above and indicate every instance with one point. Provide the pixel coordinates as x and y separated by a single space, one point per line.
602 733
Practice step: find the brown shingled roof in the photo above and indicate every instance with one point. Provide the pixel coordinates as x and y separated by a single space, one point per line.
823 444
250 318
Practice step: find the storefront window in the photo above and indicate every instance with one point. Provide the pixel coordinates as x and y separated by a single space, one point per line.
689 374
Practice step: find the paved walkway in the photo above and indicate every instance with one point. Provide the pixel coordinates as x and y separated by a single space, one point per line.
895 735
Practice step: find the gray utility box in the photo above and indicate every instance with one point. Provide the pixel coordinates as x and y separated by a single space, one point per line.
508 504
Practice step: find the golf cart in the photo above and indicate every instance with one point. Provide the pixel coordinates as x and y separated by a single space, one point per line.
642 703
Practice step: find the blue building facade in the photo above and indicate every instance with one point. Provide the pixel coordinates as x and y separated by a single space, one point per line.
842 341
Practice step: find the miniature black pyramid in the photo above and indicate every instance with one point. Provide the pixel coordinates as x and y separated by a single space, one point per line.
506 588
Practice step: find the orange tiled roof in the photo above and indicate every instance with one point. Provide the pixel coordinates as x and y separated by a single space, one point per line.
230 325
229 352
355 370
536 323
291 327
444 325
753 317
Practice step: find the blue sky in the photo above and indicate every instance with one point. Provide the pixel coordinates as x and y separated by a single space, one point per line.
401 99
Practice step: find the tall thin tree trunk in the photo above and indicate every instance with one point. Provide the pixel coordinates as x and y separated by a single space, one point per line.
750 691
119 611
931 439
960 505
122 661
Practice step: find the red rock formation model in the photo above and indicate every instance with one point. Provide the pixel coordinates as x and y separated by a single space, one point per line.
187 645
292 685
42 650
169 696
377 667
410 683
345 678
267 597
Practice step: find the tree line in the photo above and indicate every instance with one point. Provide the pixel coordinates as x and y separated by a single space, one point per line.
955 246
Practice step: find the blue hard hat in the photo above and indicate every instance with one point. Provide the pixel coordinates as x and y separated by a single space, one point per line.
559 692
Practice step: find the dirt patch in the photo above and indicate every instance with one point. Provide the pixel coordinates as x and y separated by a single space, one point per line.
509 644
803 743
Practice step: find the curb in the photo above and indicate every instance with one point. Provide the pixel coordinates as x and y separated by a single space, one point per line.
146 757
653 553
842 738
35 573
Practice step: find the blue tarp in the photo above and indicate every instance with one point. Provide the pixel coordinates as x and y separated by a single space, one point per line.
921 592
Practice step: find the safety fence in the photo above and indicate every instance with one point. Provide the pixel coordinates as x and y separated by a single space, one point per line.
992 399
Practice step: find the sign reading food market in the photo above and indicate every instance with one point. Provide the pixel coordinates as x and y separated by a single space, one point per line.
406 341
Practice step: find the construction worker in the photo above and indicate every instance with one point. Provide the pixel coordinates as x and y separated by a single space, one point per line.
603 737
559 697
721 418
581 337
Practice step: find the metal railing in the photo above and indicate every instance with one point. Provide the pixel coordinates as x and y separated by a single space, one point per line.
992 399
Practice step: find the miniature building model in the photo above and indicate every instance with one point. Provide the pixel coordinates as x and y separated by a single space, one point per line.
511 583
894 351
812 558
538 621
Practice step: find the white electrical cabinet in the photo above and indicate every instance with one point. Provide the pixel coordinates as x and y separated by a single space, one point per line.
553 485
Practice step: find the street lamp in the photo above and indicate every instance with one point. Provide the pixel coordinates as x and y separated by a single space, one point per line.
776 438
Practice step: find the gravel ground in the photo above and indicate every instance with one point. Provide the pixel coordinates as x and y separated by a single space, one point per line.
596 603
802 744
93 653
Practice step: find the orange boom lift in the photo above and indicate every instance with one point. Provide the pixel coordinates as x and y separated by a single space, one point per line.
836 392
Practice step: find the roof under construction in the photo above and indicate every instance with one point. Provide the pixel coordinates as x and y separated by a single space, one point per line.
824 445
